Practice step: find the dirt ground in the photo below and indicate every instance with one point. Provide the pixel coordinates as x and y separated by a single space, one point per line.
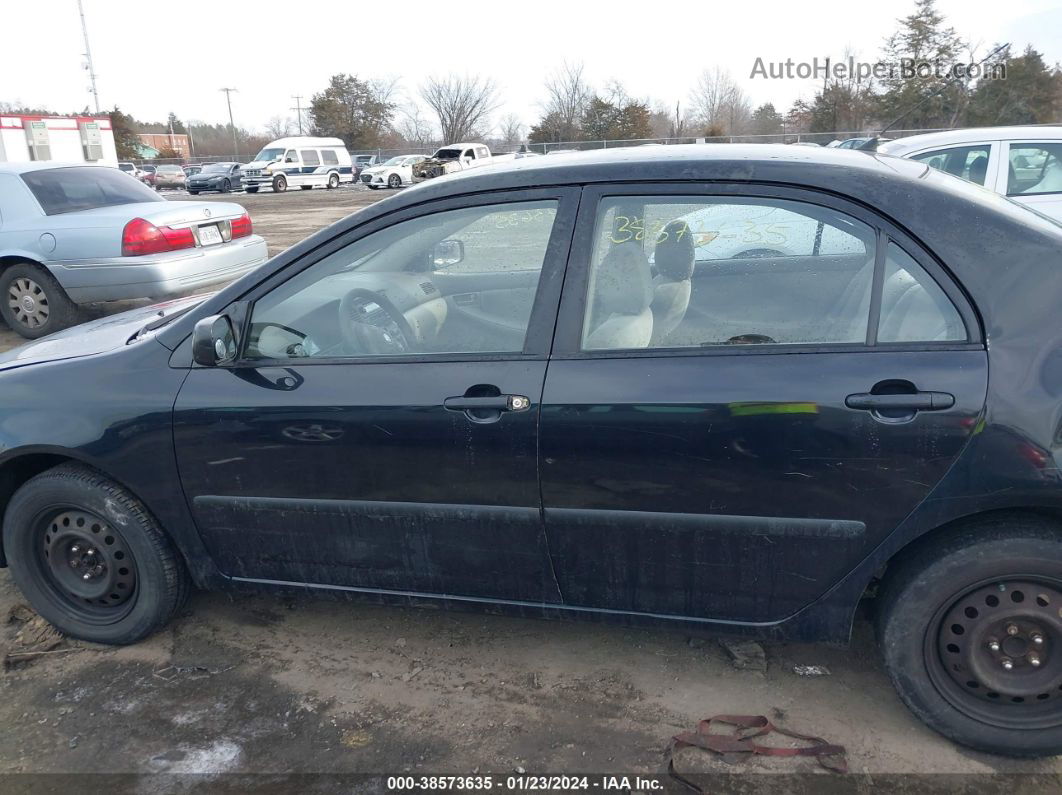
292 683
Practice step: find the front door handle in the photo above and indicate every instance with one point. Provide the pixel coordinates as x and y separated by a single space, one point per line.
919 401
497 403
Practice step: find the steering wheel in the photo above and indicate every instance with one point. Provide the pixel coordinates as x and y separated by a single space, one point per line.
370 323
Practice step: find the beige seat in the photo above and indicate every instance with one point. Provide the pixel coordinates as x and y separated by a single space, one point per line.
674 259
620 295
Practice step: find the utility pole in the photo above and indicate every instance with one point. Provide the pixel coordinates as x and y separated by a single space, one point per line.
298 110
88 58
232 124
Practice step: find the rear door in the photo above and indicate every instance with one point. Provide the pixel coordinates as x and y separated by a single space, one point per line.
737 457
1033 175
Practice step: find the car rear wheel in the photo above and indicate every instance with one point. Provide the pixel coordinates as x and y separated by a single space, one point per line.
89 557
34 303
374 187
970 626
333 181
394 181
280 184
194 192
226 186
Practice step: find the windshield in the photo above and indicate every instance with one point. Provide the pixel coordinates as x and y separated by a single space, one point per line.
395 161
67 190
215 168
447 154
268 155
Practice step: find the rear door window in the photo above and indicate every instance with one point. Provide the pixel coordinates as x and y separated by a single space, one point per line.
67 190
968 162
700 272
1034 168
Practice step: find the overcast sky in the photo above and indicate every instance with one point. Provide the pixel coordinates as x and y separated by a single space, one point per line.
175 56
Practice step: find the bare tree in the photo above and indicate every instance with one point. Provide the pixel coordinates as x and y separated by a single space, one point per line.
719 103
279 127
462 104
412 126
568 94
511 129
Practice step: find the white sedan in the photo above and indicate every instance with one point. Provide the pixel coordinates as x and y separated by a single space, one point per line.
394 173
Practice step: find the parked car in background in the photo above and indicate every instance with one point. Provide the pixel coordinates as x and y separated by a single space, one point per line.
147 175
220 177
81 234
192 170
299 161
566 402
393 173
169 177
130 169
363 162
1023 163
452 158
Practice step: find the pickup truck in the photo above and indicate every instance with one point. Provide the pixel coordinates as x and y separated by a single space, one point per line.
456 157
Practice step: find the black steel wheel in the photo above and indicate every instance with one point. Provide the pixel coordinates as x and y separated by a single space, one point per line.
89 557
996 653
970 627
280 183
86 563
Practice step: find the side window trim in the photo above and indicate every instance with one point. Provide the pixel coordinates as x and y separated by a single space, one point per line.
568 337
540 327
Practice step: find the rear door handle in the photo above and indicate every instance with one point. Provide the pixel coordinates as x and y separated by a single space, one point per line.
497 403
919 401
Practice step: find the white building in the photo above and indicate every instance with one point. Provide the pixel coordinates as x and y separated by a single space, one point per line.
67 139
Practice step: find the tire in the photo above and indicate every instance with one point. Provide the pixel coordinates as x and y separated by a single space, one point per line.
280 184
252 190
306 187
193 192
48 309
333 181
226 186
955 612
138 581
374 187
394 181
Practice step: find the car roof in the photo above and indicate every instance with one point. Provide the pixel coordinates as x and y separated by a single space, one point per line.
972 135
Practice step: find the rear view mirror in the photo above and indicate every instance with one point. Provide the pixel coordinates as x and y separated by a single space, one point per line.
447 253
213 341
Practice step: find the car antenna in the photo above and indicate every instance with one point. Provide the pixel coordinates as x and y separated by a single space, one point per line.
872 144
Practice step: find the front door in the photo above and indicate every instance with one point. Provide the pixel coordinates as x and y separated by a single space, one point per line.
380 429
747 394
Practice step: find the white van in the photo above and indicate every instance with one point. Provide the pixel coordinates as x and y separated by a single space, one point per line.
301 161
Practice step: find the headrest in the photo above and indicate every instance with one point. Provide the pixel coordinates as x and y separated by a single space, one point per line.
622 284
674 257
978 169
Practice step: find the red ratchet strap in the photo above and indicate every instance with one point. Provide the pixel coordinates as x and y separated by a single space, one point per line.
741 741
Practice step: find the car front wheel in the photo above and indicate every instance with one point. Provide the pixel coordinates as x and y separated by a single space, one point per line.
280 184
34 303
970 627
226 186
89 557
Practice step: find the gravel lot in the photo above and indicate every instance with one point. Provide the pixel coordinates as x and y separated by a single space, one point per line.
276 683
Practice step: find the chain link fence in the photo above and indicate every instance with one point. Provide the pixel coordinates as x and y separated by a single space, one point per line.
784 137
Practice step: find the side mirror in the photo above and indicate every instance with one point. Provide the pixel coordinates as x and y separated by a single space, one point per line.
447 253
213 341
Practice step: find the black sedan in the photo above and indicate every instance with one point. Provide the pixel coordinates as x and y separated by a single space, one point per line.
723 388
220 177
